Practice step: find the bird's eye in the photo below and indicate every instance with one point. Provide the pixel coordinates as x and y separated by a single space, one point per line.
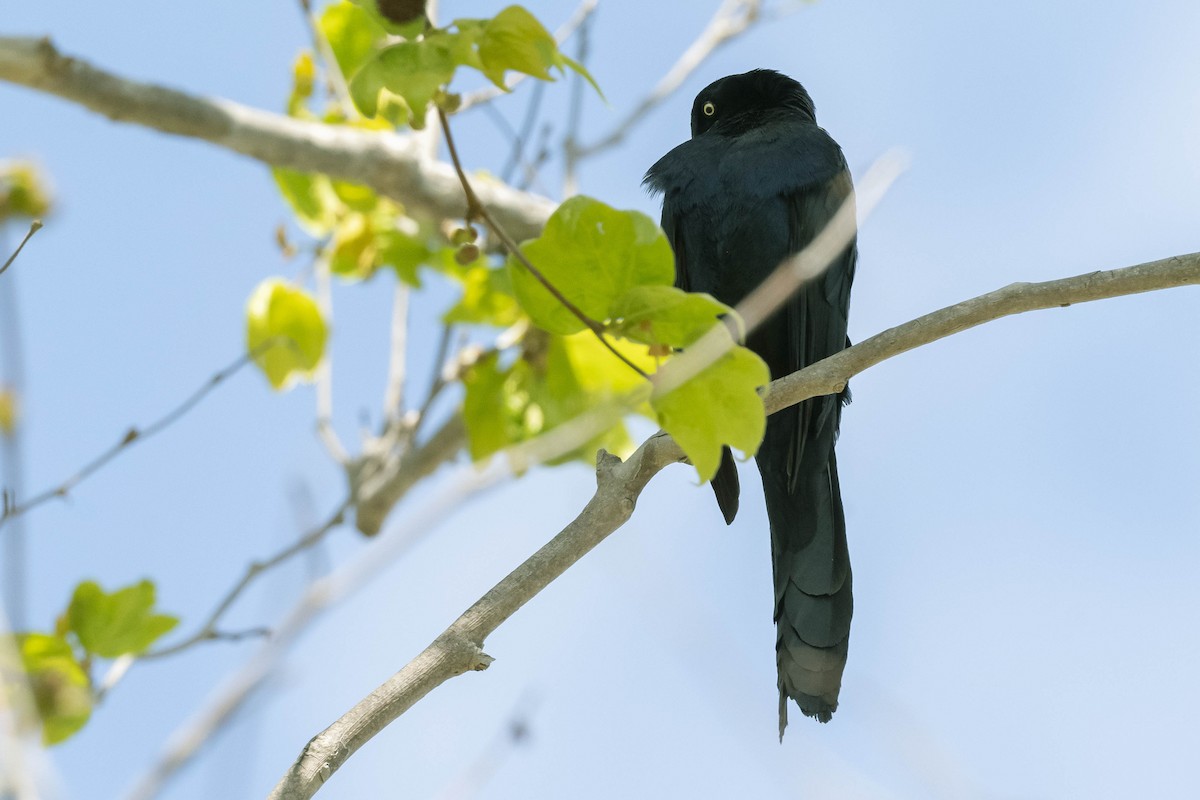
709 109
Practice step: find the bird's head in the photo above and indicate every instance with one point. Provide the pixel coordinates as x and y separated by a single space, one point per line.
738 103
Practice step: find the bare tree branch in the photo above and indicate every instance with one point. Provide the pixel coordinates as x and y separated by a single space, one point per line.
378 481
393 399
619 484
391 165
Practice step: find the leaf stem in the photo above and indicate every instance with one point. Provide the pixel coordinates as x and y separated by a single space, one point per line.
476 210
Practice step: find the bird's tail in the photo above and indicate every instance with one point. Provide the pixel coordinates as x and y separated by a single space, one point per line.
811 564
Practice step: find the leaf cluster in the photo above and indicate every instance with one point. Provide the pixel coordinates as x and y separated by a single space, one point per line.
57 665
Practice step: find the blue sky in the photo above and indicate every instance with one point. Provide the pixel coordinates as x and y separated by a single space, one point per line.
1021 499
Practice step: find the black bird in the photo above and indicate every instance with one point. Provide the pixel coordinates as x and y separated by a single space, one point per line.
755 183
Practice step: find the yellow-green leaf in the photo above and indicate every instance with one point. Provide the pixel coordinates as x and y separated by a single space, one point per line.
353 35
413 71
61 689
593 254
311 197
304 73
554 381
118 623
8 411
23 192
487 297
719 406
664 315
284 331
515 40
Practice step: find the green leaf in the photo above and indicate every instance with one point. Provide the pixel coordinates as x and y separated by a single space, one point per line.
492 408
23 192
719 406
355 252
413 71
284 331
593 254
312 197
304 73
9 410
61 689
515 40
664 315
116 624
356 196
487 298
353 35
405 252
553 382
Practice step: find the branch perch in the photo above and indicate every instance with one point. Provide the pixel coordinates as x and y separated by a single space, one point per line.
391 165
619 484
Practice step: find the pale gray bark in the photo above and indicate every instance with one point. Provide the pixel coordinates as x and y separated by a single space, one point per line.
390 164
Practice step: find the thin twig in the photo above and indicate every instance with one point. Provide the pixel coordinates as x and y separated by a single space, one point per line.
476 209
574 118
733 18
324 374
34 227
440 378
521 138
393 399
209 631
134 435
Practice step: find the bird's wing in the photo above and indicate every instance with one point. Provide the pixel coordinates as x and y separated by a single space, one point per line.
684 182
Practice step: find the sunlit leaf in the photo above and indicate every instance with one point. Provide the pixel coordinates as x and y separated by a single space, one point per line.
593 254
311 197
118 623
60 687
355 253
304 72
492 407
720 406
487 297
413 71
665 315
353 35
555 381
8 411
515 40
23 191
285 331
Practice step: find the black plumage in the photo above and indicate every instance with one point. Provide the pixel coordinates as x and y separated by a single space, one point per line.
755 183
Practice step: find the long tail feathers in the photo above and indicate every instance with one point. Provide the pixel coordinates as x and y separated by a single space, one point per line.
811 565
